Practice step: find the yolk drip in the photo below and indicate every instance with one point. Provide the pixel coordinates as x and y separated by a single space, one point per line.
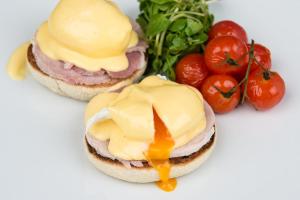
159 153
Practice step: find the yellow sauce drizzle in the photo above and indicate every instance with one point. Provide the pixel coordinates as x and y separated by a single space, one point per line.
16 66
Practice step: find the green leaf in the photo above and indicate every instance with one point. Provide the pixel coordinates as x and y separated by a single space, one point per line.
169 39
171 74
203 37
178 25
143 5
193 27
158 23
142 21
164 7
168 67
170 61
162 1
156 64
155 9
178 44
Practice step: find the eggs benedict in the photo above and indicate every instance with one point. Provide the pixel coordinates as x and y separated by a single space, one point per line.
85 48
153 131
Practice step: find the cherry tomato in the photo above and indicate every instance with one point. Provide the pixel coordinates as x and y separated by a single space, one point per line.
217 91
228 28
265 89
263 60
191 70
226 55
262 56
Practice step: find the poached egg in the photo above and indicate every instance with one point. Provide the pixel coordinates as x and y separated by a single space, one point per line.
147 121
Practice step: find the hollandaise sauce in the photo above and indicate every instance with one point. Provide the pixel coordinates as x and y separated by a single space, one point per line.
91 34
159 153
16 66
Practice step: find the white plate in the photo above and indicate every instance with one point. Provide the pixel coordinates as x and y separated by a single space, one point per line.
257 155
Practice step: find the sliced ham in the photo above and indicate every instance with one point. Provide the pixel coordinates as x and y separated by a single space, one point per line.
66 72
136 57
193 146
72 74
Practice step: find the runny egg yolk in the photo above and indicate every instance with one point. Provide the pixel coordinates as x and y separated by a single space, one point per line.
159 152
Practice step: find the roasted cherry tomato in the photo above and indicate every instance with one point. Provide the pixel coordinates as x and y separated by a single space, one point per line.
228 28
221 92
191 70
265 89
226 55
262 56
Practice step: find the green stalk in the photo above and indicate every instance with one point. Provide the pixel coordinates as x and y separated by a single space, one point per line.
157 38
189 13
161 43
246 79
184 16
163 35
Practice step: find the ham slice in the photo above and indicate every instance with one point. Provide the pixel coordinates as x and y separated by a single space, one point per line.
66 71
78 76
136 57
74 75
193 146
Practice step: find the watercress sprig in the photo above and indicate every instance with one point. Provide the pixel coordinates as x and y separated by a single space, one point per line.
173 28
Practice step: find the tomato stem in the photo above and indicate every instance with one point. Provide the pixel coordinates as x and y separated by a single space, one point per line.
231 91
226 94
259 64
266 75
266 72
246 79
230 60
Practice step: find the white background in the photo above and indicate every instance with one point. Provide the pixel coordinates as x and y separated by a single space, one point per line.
257 155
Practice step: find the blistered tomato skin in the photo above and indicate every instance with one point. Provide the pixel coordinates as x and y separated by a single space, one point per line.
228 28
265 89
226 55
191 70
219 101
